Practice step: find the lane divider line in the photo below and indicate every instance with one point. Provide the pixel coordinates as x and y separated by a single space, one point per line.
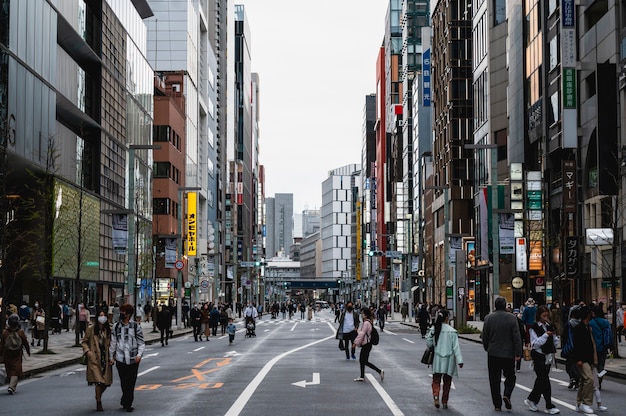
148 370
395 410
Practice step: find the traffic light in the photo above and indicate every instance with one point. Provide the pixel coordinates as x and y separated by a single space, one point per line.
376 253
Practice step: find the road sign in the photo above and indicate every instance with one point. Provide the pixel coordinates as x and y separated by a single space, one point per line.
204 284
179 264
393 254
247 264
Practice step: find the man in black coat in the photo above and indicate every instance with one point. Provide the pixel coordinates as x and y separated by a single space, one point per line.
503 343
164 323
196 320
585 357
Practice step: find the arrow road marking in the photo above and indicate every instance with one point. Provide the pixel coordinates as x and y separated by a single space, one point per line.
231 354
304 383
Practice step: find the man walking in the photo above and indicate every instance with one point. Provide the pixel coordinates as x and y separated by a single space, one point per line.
164 323
503 343
585 357
348 326
196 320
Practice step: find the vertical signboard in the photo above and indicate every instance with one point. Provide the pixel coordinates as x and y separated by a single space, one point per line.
571 257
120 233
359 240
569 186
192 233
568 73
521 259
426 77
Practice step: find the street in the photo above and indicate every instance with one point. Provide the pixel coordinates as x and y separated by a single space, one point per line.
290 367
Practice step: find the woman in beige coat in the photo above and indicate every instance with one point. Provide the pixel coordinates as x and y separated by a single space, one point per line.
96 345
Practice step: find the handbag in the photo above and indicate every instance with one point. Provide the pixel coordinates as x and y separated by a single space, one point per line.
427 357
83 359
527 354
40 320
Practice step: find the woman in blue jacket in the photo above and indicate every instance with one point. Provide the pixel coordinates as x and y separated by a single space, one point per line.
447 356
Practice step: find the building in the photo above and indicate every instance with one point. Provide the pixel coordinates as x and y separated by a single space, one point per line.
279 222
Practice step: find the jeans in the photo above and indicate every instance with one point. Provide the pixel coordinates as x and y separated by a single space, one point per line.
499 366
364 359
128 378
350 336
542 382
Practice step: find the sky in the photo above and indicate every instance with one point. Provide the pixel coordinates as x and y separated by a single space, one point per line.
316 62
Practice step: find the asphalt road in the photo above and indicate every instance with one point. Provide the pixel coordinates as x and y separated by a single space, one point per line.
290 368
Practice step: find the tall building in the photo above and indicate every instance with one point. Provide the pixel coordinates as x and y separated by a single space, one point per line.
311 221
75 102
179 39
339 196
279 222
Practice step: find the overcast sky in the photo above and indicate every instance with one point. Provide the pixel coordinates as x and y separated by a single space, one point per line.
316 63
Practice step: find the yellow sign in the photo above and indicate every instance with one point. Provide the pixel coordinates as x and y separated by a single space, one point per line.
192 235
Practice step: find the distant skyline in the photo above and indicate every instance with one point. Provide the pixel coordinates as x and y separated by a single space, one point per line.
316 63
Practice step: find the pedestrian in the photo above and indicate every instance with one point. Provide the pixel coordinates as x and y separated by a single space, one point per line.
185 314
302 310
445 340
164 323
147 311
84 317
522 335
231 329
381 315
555 318
404 311
214 320
204 320
501 339
528 317
621 311
116 312
196 317
24 314
363 340
96 346
309 315
600 327
223 320
544 342
38 321
12 343
139 314
250 315
423 317
127 347
347 331
585 357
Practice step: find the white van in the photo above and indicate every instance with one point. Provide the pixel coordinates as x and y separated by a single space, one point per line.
321 304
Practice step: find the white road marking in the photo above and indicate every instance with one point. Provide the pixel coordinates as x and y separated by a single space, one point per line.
148 370
245 395
294 326
198 349
304 383
154 354
395 410
408 340
386 331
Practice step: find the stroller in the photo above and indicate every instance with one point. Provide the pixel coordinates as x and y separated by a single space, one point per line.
250 327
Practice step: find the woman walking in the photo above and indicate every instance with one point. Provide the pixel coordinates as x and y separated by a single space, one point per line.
445 340
363 340
96 345
544 344
39 324
11 344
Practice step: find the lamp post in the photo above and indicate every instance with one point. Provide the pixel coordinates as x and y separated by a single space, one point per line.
179 273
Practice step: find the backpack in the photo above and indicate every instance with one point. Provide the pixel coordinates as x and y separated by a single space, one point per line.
374 338
568 345
607 337
13 342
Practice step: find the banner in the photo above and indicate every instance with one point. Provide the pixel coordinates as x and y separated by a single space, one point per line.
507 233
170 253
535 259
120 233
521 258
192 235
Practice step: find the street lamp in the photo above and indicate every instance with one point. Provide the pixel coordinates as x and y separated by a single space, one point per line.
179 273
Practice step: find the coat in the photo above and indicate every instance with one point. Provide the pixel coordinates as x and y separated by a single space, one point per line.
447 351
97 359
13 360
164 319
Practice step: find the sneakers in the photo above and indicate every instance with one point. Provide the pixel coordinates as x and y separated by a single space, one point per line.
353 357
507 402
436 401
602 408
382 375
11 390
583 408
531 405
359 379
552 411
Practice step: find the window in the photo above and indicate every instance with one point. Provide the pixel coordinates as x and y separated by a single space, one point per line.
161 133
160 206
499 12
161 169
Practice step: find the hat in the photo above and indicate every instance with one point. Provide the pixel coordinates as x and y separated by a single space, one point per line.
14 321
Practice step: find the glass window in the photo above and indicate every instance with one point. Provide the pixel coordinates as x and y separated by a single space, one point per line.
554 53
554 103
160 206
499 12
161 169
161 133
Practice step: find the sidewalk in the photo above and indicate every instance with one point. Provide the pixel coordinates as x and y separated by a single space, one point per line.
62 351
614 368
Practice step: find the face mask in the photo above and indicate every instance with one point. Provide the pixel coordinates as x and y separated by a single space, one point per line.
102 319
36 305
349 308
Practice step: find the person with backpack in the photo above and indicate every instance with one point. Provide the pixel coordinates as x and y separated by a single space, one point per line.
127 348
24 315
544 342
445 341
364 340
12 342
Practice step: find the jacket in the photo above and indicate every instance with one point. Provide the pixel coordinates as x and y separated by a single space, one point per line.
365 334
355 316
583 344
95 356
447 350
500 336
13 359
164 319
598 326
